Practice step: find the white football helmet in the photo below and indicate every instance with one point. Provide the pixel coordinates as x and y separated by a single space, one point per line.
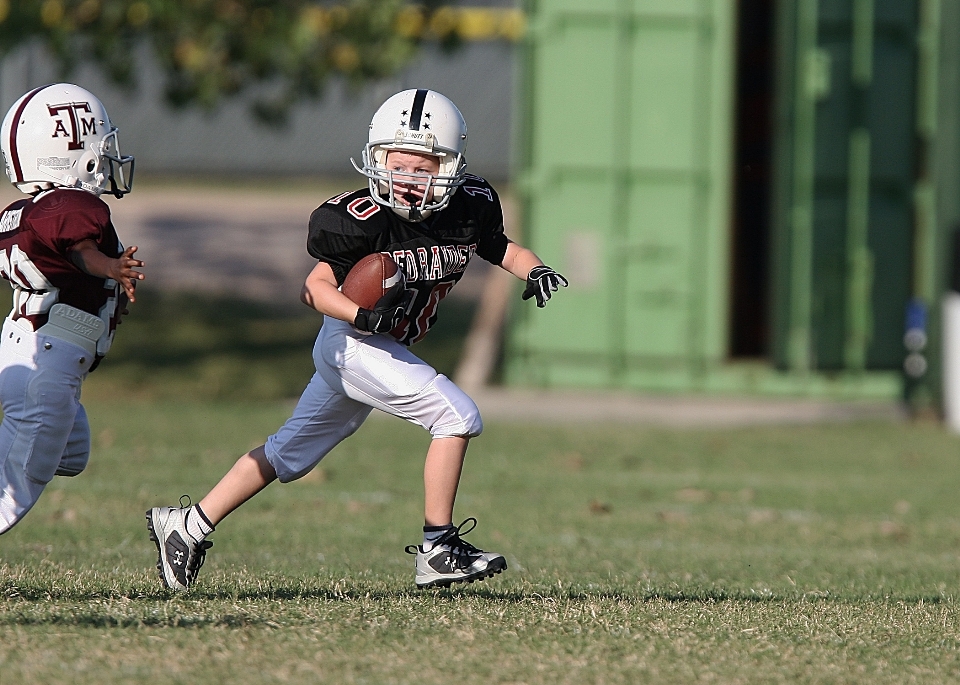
421 121
60 136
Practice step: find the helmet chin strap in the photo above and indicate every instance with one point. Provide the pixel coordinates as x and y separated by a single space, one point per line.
410 213
414 209
33 188
96 189
414 213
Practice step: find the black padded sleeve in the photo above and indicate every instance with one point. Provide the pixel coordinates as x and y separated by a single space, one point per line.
337 240
492 243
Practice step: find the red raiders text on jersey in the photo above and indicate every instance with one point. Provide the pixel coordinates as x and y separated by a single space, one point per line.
36 235
433 253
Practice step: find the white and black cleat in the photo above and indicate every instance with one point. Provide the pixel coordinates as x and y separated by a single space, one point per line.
179 555
452 560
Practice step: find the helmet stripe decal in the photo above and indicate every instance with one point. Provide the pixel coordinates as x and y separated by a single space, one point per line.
14 125
419 99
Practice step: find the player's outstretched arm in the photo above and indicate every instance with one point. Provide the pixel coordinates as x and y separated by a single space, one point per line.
542 281
122 269
519 260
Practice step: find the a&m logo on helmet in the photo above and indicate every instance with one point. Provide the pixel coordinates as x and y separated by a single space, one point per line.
81 119
60 135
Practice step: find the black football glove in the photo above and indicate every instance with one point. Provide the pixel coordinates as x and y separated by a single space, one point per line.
378 320
542 281
386 315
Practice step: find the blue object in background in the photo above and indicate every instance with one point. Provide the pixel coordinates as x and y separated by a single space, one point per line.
916 317
915 338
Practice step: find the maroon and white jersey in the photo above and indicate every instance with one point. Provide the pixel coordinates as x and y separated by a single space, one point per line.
432 253
36 236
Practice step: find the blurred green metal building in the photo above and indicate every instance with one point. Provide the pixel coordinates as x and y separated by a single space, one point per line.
746 196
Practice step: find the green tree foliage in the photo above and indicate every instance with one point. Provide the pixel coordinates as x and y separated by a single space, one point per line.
282 51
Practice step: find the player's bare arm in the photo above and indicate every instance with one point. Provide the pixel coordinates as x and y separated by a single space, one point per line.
320 291
89 259
542 281
519 260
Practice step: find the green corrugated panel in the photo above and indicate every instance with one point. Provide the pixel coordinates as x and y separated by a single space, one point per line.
626 186
941 125
847 156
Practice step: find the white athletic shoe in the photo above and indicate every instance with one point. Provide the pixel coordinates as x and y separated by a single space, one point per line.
452 560
180 556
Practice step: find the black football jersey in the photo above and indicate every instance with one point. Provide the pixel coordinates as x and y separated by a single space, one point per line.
432 253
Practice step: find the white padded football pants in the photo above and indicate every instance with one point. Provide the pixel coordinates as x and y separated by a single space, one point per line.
355 374
44 430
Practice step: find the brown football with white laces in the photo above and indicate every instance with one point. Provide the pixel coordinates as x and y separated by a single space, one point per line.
371 278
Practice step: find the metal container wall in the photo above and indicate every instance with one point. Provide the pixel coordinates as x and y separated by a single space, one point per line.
847 193
625 117
625 182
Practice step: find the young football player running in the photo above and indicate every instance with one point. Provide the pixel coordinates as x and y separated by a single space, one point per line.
422 209
71 280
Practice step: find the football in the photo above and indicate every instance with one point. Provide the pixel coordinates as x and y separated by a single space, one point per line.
371 278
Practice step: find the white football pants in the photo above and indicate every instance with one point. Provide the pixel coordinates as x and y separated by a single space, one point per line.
357 373
44 430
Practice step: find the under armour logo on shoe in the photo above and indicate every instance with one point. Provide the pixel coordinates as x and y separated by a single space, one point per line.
448 562
177 552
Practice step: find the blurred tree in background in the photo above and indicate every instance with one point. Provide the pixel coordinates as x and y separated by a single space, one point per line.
277 51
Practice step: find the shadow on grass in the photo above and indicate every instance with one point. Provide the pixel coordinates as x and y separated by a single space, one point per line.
37 606
92 619
176 344
697 596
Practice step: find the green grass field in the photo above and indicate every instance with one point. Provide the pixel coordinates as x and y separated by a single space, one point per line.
826 554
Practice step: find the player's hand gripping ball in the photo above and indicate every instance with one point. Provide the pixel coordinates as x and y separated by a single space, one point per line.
377 285
542 282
